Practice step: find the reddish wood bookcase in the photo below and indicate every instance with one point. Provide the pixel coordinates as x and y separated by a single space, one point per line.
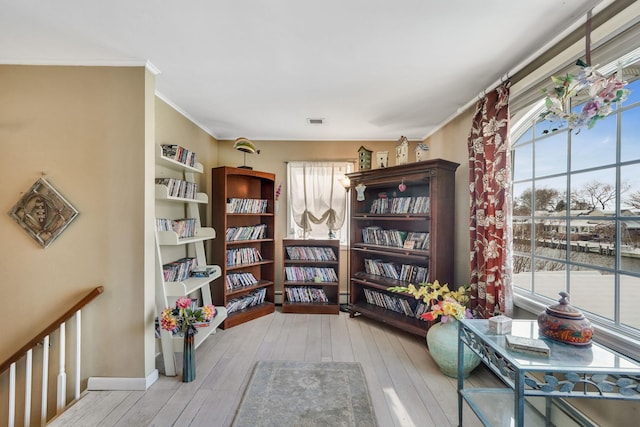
311 276
400 237
243 209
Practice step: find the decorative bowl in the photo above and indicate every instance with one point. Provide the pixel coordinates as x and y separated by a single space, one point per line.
564 323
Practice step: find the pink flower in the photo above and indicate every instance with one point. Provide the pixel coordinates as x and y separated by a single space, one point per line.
183 302
590 109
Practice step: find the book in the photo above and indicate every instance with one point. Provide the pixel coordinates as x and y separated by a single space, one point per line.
204 271
532 346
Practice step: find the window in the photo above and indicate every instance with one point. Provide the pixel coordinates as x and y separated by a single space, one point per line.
576 211
317 200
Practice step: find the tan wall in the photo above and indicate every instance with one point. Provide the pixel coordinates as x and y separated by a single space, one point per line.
450 143
84 128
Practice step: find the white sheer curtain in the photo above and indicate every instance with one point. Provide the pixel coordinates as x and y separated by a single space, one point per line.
317 199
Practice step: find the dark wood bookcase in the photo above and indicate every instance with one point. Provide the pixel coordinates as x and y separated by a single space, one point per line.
305 260
246 255
407 238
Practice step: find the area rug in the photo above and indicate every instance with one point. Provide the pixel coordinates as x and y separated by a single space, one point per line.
306 394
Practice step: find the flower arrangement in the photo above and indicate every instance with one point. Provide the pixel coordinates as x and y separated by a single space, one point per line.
443 303
184 316
603 93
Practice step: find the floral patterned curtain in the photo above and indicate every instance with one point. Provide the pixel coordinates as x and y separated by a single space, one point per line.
490 214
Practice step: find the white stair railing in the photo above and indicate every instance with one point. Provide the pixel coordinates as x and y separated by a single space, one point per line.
39 346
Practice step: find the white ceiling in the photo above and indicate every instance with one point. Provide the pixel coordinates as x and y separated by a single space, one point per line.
373 69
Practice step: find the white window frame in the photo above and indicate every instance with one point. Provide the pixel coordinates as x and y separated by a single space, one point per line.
610 332
296 232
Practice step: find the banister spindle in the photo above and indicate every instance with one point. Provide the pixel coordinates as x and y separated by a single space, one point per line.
78 353
28 371
62 375
45 381
12 395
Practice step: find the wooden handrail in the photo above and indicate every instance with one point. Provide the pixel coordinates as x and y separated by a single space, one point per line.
52 327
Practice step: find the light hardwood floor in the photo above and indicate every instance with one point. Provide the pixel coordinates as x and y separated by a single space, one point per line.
405 385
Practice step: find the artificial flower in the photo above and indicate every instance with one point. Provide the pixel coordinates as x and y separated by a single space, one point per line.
184 316
443 303
603 93
278 191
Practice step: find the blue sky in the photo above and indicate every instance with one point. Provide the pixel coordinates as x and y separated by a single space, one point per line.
591 148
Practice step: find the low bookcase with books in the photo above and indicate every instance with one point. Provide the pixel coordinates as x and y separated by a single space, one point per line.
311 276
181 264
401 233
243 202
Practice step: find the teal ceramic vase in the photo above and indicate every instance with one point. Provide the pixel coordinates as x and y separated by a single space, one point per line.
442 341
189 356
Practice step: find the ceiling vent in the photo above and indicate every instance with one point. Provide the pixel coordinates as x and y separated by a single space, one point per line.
315 121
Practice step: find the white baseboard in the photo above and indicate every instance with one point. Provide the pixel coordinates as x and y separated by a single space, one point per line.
110 383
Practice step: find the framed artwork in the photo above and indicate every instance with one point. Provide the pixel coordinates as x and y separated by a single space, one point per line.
43 212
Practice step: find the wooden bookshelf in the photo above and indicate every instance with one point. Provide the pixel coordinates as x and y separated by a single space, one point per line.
311 276
407 238
246 252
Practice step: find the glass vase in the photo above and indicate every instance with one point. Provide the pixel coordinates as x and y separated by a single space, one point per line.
189 356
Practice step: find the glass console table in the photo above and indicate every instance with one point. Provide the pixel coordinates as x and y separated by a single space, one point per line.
570 371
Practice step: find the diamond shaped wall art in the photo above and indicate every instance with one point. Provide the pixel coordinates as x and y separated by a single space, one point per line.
43 212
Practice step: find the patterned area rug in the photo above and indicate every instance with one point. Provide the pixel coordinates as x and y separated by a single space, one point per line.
306 394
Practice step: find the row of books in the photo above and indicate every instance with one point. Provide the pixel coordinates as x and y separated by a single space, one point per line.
247 205
400 205
417 240
179 270
305 294
251 232
393 270
179 154
310 274
411 308
185 227
179 188
204 271
311 253
235 281
375 235
242 256
254 298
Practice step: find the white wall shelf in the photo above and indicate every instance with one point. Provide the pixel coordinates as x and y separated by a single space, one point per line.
193 287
